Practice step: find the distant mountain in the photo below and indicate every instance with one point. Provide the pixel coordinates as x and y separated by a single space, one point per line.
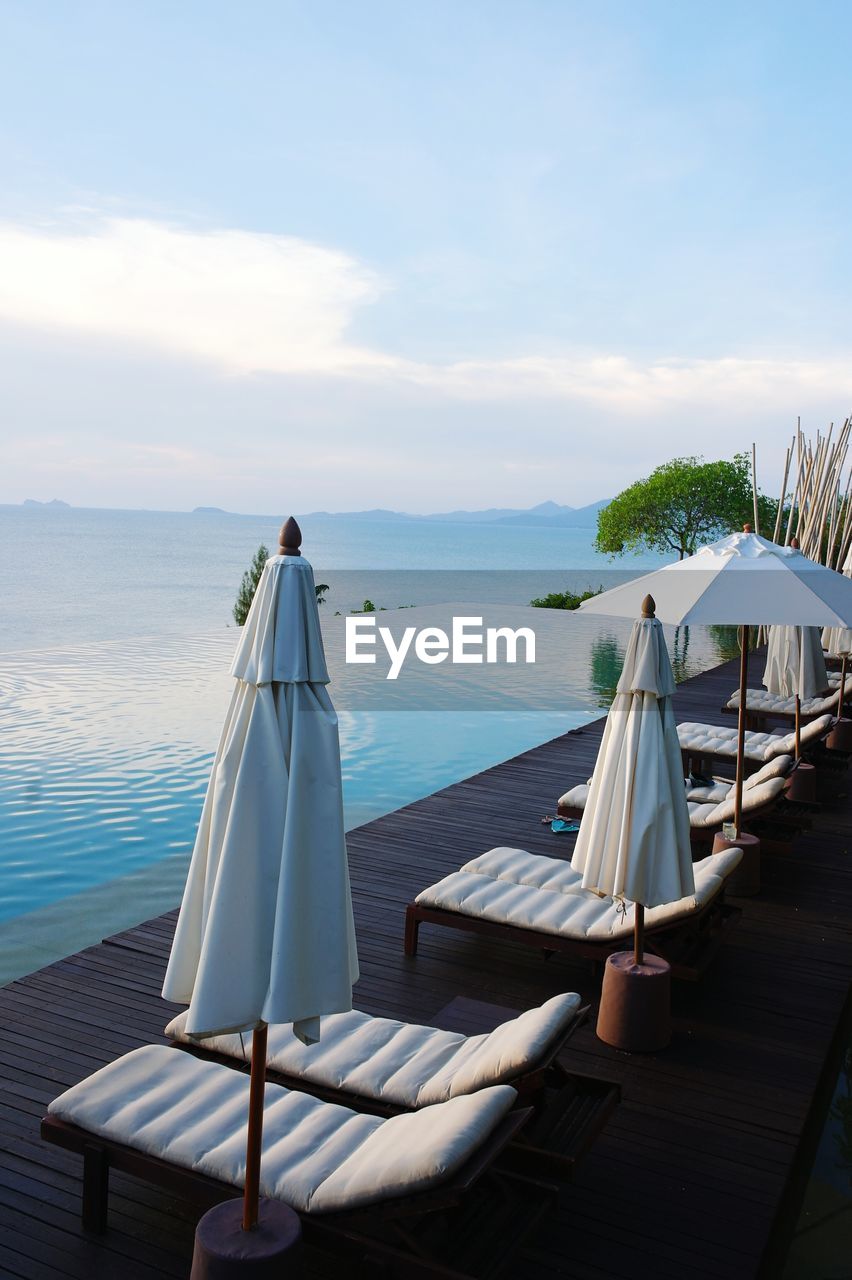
566 518
54 502
494 515
209 511
376 513
545 513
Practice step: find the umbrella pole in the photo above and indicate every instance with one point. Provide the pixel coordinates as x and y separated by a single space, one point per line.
639 934
251 1197
842 699
741 728
798 727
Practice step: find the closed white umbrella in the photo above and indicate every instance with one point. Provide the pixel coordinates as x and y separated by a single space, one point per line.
838 640
795 667
795 664
634 837
265 932
740 580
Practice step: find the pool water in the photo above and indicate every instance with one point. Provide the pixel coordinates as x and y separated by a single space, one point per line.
105 752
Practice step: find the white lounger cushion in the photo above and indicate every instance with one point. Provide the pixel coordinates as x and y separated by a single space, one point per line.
713 814
317 1156
712 805
400 1063
511 886
721 788
713 740
775 704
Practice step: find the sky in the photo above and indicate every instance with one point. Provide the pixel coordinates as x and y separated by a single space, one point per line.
282 255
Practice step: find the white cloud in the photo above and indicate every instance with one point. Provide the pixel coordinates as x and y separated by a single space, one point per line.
252 303
243 300
118 332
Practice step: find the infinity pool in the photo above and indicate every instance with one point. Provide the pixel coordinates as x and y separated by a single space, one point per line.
105 750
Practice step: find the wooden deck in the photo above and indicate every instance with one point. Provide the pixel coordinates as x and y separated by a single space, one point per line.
692 1176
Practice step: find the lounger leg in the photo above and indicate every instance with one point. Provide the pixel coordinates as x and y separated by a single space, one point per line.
412 929
95 1189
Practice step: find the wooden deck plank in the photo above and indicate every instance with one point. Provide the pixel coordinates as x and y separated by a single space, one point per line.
687 1177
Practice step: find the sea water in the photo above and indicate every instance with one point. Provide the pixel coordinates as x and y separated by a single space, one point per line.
116 635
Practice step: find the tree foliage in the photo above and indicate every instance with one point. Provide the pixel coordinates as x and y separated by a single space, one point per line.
681 505
248 586
563 599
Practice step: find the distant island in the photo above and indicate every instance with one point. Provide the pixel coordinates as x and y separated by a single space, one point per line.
545 514
54 502
209 511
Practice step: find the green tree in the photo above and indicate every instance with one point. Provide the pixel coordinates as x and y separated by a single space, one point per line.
563 599
248 586
681 505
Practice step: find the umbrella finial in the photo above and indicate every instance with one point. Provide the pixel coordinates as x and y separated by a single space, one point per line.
794 543
290 538
748 528
649 606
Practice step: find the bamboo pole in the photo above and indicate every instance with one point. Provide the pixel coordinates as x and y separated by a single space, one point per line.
815 489
793 501
754 486
798 488
804 492
779 515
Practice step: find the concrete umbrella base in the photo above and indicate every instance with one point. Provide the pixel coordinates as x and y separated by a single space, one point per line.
802 785
745 879
840 738
224 1251
635 1012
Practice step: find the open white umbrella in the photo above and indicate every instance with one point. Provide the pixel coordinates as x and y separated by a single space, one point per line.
633 841
740 580
265 932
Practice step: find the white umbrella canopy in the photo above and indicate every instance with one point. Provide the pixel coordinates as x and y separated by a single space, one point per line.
740 580
634 837
265 932
795 665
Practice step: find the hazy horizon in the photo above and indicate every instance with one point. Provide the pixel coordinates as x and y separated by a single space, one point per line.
200 508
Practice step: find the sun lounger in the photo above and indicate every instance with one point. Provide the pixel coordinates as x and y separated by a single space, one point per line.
401 1066
540 901
180 1122
708 742
761 705
711 806
386 1067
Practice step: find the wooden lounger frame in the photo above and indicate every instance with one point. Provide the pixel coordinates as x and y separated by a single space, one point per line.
578 1106
688 944
348 1233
